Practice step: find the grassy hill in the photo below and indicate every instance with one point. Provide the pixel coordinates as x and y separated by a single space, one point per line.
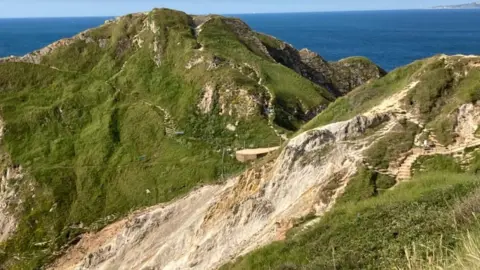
134 113
149 106
428 222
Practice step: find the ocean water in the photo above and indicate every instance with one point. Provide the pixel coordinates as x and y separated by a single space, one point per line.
21 36
390 38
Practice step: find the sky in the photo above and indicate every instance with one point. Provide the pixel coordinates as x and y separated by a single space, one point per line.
70 8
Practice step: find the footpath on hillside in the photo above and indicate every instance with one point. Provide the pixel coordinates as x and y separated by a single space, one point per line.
405 170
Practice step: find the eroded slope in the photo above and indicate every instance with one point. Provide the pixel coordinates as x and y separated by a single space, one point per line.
310 174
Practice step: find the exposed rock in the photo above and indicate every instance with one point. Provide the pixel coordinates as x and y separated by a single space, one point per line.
352 72
194 62
208 99
321 71
9 182
338 77
248 37
249 211
239 102
214 63
468 121
243 103
103 43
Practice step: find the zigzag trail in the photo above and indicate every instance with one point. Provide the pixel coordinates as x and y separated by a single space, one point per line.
405 170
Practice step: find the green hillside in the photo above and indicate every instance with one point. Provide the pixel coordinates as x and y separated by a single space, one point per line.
110 122
428 222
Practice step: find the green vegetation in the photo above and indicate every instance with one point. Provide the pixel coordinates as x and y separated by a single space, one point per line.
269 41
475 163
293 94
104 126
438 97
95 134
366 184
373 232
426 95
466 254
391 146
360 59
417 224
365 97
436 163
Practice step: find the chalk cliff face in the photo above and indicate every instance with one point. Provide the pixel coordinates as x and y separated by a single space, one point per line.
214 224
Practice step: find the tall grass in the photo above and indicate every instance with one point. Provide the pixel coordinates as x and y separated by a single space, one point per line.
373 233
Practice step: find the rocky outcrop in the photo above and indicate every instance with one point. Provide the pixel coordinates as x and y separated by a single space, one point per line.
467 122
208 98
353 72
9 200
227 221
247 36
338 77
239 103
9 184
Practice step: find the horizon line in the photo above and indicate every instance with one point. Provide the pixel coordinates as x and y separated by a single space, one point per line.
233 14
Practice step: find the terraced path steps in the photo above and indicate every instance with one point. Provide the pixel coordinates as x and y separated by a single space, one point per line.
405 170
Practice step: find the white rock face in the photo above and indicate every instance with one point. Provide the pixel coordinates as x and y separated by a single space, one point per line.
8 222
468 120
8 178
215 224
206 104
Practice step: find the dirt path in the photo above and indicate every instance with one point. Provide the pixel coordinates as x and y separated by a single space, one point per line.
405 170
392 104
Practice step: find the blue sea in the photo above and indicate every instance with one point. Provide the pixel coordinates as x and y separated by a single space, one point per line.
390 38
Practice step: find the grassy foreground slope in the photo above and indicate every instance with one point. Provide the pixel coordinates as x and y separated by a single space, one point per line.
373 233
93 121
416 224
429 222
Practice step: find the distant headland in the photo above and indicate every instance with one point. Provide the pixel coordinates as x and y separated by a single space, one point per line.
473 5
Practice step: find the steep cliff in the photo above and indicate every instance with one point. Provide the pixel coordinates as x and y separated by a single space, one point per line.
339 77
249 211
